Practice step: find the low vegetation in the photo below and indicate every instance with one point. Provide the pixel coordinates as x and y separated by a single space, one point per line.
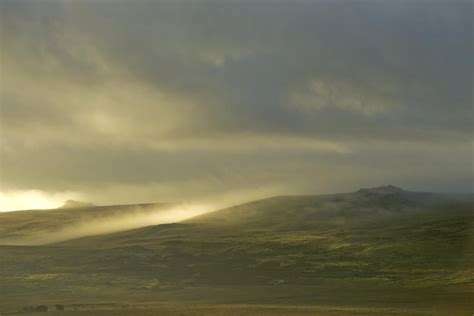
378 251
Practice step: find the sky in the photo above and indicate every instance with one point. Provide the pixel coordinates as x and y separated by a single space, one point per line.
118 102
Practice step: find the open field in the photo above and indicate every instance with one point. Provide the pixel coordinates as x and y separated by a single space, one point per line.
230 310
371 252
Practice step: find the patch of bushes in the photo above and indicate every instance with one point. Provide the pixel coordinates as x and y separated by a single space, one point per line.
59 307
34 308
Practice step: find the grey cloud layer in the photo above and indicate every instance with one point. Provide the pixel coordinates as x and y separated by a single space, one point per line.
147 93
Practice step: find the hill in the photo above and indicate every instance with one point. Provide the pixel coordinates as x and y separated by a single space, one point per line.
52 225
76 204
304 212
381 249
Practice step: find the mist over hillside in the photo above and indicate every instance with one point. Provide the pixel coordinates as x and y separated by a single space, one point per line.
76 204
36 227
236 158
380 247
79 219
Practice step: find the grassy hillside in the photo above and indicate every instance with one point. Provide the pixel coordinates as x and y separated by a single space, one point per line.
33 225
381 251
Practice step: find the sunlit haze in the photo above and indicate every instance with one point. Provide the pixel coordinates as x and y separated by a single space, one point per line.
33 200
236 157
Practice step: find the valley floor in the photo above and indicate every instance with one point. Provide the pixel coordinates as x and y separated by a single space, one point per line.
231 310
273 301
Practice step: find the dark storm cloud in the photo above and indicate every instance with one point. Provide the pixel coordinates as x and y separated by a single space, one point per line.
146 93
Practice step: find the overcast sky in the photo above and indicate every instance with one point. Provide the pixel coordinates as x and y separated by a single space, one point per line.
139 101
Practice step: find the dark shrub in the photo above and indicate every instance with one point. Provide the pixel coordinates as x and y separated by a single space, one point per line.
41 308
28 308
59 307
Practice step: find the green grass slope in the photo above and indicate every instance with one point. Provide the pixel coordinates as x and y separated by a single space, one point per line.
33 225
376 249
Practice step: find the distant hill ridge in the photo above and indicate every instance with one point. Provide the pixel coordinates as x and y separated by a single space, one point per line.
354 208
76 204
280 212
384 189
